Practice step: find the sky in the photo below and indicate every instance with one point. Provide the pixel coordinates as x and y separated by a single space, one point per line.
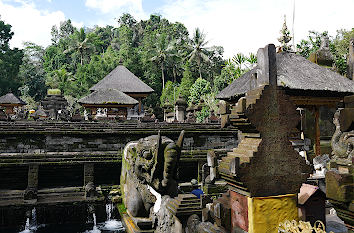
237 25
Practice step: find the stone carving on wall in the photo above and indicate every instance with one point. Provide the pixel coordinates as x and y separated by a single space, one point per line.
149 168
342 140
339 178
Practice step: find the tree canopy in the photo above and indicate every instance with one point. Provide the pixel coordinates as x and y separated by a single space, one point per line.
162 53
10 61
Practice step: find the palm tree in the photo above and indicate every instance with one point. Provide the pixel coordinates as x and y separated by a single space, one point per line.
199 52
80 43
163 51
60 78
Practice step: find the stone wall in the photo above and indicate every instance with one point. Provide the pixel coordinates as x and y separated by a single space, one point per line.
44 137
62 149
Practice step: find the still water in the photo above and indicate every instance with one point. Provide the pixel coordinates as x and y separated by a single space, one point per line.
111 225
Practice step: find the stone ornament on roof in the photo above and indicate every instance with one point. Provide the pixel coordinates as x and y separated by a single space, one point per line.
285 38
323 55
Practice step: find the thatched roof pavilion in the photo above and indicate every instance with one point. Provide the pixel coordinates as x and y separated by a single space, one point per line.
309 85
300 77
125 81
9 101
108 98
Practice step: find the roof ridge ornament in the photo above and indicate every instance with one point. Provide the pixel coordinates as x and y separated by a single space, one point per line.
284 38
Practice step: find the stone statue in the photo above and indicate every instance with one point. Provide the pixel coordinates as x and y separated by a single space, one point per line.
149 168
342 140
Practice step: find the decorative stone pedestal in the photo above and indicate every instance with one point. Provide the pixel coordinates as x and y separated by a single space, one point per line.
261 214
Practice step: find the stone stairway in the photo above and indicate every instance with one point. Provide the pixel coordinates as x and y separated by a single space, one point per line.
250 143
243 154
185 205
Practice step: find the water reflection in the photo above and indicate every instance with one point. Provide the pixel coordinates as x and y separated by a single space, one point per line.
111 225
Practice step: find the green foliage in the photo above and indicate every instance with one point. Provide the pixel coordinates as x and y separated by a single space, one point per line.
233 69
223 80
341 41
312 44
202 114
31 72
156 50
170 93
338 47
210 103
199 88
186 82
10 61
199 52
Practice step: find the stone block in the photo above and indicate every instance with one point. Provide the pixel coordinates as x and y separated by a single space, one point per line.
265 213
224 107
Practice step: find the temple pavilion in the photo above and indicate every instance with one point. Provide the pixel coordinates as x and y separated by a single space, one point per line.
309 85
10 101
112 99
119 89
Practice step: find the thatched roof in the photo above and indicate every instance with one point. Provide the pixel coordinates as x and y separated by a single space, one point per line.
297 73
123 80
108 96
10 98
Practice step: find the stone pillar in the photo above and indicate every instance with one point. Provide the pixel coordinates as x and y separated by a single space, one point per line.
90 189
317 132
224 111
32 185
212 163
181 106
180 113
167 106
88 173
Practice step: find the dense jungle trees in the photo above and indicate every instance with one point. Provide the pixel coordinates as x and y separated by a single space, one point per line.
163 54
10 60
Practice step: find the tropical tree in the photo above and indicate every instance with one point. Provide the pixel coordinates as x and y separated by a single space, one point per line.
186 82
162 52
10 61
60 78
80 44
199 88
199 52
31 72
169 93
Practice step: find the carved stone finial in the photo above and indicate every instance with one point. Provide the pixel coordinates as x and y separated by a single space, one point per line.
285 38
323 55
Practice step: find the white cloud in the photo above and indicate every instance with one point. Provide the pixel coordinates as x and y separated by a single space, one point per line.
117 7
244 26
77 24
29 23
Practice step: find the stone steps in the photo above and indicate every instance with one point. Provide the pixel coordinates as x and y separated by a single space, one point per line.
249 145
185 204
